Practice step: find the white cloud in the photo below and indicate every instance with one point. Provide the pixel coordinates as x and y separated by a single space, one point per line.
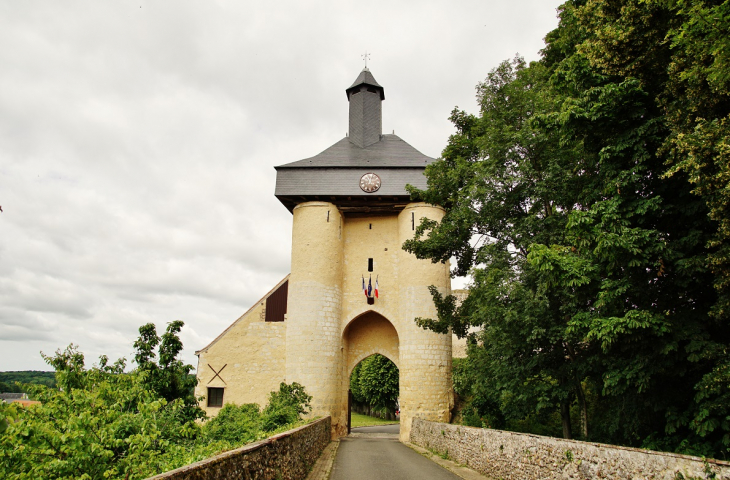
138 140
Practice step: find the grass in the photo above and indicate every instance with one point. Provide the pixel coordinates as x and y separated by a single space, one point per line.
359 420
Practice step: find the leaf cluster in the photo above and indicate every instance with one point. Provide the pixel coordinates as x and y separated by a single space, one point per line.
101 422
12 382
588 200
375 382
169 377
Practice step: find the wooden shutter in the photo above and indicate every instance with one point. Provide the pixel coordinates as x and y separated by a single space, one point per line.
276 303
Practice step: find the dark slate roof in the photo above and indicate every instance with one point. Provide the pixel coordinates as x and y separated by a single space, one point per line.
366 78
390 152
346 182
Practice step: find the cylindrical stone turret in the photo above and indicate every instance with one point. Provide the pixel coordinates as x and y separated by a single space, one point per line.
313 341
426 389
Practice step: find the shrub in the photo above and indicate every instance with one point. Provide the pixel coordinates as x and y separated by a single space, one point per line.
235 424
285 406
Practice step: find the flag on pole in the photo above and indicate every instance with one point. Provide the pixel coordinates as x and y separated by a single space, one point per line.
370 286
376 287
364 290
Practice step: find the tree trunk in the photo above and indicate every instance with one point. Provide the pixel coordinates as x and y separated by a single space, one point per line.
583 410
565 417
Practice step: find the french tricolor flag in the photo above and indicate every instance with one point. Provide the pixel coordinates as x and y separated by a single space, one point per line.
376 287
364 288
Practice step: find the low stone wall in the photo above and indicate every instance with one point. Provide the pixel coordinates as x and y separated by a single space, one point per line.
288 455
518 456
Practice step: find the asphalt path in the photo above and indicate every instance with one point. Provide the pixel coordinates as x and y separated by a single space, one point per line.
374 453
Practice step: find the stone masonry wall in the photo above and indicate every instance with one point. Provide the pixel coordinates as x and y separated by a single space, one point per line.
289 455
313 337
250 357
426 388
518 456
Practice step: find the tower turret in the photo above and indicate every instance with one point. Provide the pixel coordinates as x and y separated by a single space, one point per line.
366 113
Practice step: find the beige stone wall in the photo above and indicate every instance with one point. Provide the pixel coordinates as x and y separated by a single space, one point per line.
313 337
369 334
290 455
253 352
520 456
330 327
329 261
425 377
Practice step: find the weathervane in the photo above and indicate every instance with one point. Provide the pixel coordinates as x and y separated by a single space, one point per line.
365 57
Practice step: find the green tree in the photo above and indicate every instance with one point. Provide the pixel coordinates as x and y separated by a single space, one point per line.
104 423
357 394
589 253
169 376
107 425
12 382
677 52
286 406
375 382
506 184
235 424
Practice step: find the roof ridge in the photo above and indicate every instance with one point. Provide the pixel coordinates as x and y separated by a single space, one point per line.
267 295
390 151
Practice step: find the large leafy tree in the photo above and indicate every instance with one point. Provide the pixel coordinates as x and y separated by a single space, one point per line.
99 424
104 423
589 253
168 376
506 184
374 382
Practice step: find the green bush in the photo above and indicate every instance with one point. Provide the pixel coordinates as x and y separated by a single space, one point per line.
103 423
235 424
285 406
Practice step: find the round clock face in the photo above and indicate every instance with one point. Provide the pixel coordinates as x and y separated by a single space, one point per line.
370 183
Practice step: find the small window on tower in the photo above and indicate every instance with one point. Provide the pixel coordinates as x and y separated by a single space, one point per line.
215 397
370 264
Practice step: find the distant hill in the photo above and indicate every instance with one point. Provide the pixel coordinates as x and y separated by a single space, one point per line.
8 379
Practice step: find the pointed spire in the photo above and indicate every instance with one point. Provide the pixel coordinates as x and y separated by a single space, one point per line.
366 115
366 78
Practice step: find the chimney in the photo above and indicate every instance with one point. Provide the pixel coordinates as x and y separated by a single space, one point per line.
366 114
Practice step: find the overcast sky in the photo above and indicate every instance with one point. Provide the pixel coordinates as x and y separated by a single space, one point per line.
138 140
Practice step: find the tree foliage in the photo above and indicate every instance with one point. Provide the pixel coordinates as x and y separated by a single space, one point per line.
104 423
588 201
286 406
169 377
374 382
12 382
100 424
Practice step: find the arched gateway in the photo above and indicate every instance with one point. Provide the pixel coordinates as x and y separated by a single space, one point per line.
351 214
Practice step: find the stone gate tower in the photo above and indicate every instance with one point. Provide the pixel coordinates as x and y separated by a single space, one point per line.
351 215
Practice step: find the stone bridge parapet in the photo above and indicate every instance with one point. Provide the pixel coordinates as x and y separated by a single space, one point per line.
518 456
289 455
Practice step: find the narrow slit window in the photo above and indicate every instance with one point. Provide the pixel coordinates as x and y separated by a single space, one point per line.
413 220
328 216
371 226
215 397
370 264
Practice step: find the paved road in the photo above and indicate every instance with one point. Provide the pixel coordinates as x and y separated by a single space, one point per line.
374 453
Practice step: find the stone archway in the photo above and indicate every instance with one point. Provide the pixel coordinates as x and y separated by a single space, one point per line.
366 335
